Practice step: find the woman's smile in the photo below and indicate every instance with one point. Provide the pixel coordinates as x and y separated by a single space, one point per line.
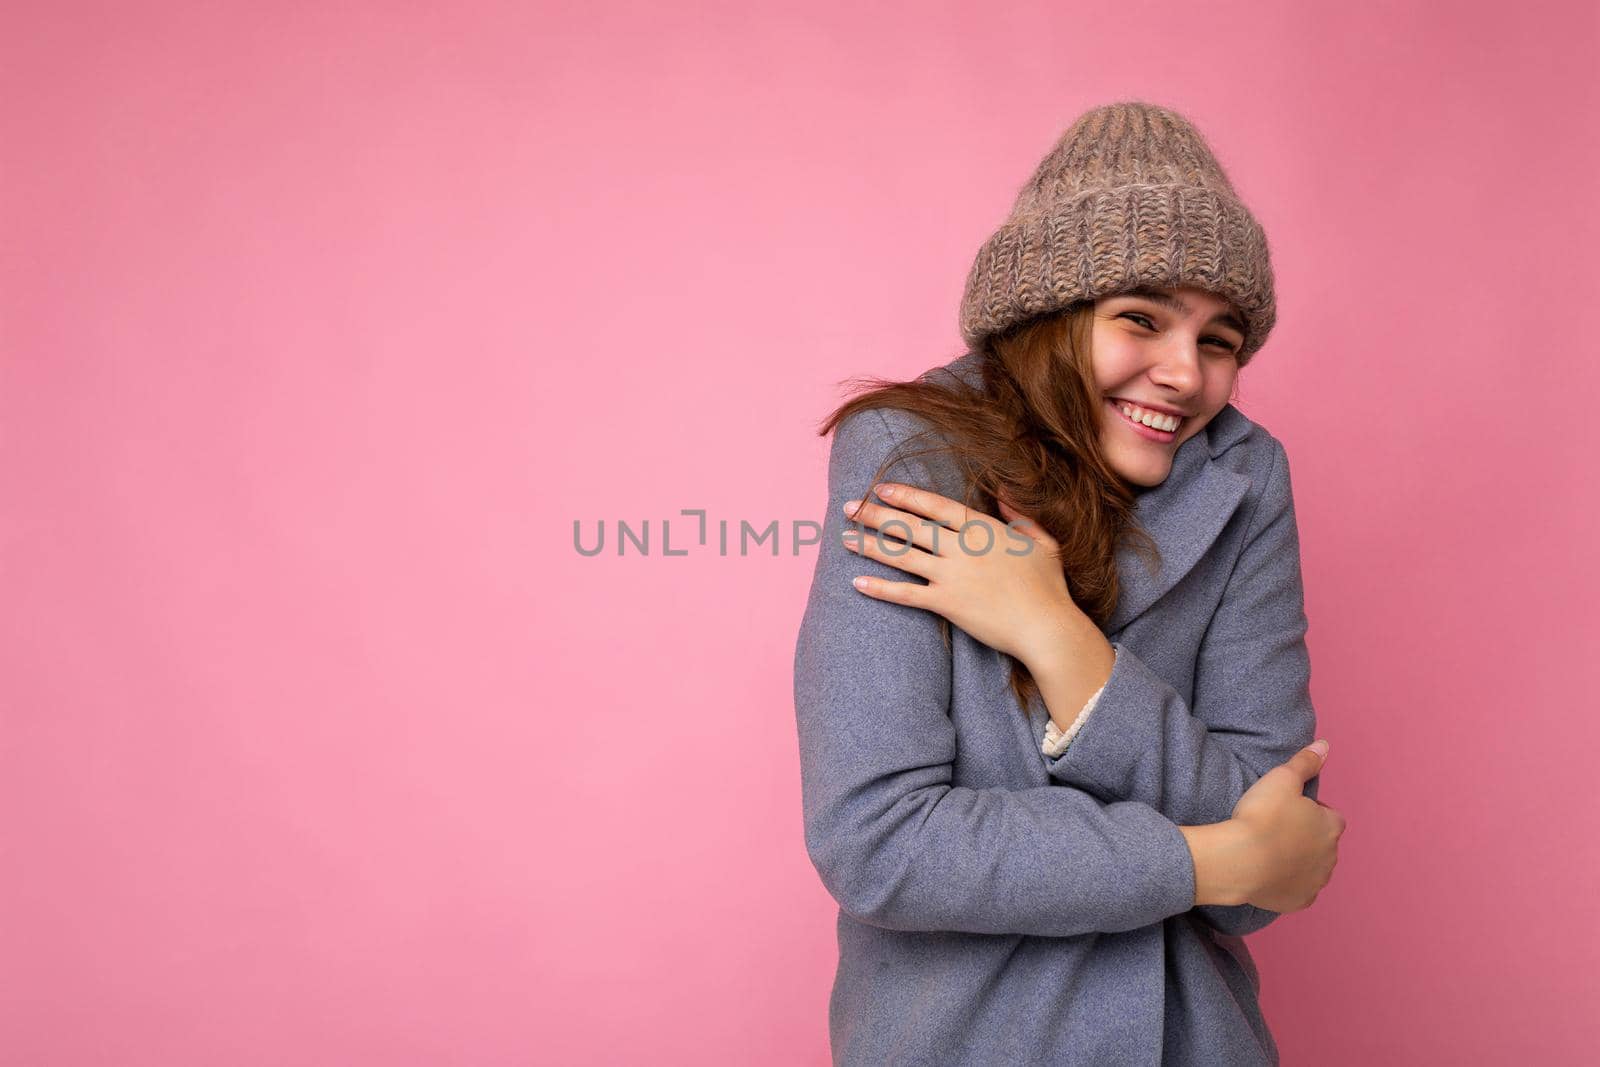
1149 433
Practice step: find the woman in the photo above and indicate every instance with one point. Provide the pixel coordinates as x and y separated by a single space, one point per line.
1049 825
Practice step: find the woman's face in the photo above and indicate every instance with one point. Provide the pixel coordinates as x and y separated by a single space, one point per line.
1170 352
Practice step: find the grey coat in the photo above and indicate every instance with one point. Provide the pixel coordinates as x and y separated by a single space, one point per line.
999 906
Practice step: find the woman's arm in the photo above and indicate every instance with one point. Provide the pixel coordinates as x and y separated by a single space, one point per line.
893 840
1252 703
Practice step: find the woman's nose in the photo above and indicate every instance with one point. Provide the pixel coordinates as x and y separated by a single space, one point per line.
1178 367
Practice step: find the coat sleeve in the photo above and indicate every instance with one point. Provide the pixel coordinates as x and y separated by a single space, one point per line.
1252 699
894 841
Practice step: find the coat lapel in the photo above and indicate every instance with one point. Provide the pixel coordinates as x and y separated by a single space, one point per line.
1184 515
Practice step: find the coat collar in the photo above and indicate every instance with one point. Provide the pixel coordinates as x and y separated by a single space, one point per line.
1184 514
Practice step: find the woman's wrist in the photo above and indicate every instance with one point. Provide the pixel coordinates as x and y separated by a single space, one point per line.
1222 862
1059 637
1070 661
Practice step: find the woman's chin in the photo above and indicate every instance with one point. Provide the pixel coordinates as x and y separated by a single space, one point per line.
1144 472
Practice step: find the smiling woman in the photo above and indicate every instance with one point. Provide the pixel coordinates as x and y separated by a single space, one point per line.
1051 790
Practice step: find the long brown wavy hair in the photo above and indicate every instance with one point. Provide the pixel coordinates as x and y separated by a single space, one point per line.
1031 433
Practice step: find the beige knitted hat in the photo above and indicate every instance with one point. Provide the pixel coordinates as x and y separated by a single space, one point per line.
1130 196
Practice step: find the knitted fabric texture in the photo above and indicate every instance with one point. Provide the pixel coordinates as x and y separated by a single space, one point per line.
1131 195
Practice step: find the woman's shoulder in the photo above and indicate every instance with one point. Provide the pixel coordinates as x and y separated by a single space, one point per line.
905 446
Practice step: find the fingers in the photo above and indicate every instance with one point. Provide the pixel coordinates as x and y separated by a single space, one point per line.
949 513
903 557
933 522
910 594
932 536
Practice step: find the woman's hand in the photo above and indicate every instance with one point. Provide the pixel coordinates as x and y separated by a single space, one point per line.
1294 839
999 581
1279 848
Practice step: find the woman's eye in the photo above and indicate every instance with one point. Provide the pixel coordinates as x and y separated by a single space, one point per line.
1147 323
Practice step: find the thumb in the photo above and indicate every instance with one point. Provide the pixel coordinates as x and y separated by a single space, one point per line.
1307 763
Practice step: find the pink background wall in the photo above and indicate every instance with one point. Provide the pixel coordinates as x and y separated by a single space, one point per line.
320 325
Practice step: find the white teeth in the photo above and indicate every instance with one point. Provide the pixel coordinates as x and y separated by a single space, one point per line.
1154 419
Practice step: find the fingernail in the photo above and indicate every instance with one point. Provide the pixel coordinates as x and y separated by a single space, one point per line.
886 489
1319 746
850 506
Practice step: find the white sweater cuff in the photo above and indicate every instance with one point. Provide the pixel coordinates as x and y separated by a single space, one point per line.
1057 740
